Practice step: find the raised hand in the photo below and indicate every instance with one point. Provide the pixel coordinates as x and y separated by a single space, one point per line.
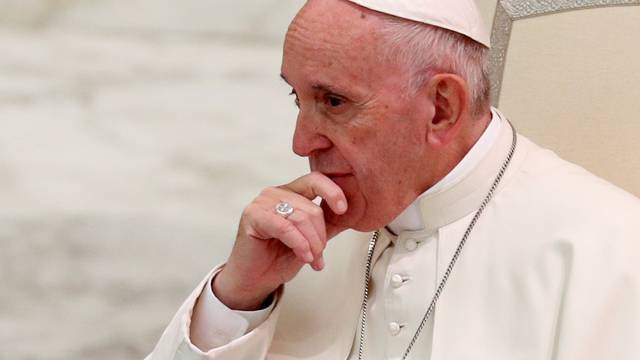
270 248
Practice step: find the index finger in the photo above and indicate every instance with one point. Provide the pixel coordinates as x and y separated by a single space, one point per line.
316 184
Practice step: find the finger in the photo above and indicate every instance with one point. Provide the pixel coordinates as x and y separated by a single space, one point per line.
304 223
318 264
271 196
307 216
273 226
317 217
316 184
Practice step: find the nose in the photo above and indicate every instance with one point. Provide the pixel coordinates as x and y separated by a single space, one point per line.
308 137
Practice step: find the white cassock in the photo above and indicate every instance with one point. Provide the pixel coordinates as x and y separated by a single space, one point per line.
550 272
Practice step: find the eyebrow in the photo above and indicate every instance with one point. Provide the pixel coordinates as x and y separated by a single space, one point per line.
327 88
321 87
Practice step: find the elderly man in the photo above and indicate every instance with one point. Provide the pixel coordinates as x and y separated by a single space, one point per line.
484 245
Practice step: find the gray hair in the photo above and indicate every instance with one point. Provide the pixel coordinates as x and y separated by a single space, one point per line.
427 50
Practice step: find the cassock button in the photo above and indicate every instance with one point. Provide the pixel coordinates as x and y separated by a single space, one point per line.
396 281
411 244
394 328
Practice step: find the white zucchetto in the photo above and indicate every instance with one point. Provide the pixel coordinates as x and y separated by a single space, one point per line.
461 16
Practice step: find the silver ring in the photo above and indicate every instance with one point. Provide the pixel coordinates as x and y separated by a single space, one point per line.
284 209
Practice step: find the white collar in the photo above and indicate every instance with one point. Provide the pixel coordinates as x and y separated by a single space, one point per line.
411 218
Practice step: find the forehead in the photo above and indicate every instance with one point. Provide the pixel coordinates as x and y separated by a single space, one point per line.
330 23
334 39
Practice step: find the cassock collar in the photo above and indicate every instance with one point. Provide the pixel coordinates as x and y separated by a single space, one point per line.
416 216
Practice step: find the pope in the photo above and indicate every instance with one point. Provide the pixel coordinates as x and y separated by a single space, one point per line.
441 233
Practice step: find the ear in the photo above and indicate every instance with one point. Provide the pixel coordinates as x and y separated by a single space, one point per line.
449 94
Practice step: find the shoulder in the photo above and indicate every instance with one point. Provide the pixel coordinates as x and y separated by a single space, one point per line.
559 195
545 171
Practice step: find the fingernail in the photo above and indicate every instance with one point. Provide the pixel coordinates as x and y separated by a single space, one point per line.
309 257
342 206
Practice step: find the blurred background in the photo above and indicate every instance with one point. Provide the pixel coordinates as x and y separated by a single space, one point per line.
132 134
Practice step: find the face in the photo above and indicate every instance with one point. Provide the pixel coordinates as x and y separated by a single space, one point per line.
354 123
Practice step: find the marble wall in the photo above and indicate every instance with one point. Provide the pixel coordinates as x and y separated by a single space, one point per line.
132 134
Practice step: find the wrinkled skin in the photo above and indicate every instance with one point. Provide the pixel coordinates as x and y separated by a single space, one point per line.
352 124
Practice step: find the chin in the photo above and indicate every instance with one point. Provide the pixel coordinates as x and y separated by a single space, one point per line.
346 220
355 218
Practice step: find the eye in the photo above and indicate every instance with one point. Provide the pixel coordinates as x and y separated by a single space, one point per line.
296 101
334 101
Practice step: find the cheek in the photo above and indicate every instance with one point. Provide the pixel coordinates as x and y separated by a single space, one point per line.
402 146
390 163
375 148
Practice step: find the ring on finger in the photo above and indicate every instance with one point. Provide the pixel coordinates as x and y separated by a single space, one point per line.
284 209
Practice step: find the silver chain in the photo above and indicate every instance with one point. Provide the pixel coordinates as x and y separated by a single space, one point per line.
454 259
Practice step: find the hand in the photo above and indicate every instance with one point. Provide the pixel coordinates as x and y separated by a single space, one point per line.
269 249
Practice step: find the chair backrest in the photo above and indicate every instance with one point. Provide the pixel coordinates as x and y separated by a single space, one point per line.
567 73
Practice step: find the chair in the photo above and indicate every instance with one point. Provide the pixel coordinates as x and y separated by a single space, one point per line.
567 74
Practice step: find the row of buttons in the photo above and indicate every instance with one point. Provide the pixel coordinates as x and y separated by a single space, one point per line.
397 281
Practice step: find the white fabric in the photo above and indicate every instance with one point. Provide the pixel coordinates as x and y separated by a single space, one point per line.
461 16
214 324
545 275
411 218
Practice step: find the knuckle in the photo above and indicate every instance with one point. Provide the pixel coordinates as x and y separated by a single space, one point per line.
337 194
301 217
316 211
315 174
316 177
285 227
250 210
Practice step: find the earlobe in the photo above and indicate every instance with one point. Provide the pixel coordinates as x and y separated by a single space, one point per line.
449 94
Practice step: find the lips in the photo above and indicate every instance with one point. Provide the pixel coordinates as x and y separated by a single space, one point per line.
336 175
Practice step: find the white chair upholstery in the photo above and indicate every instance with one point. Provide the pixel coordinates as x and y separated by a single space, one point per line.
567 73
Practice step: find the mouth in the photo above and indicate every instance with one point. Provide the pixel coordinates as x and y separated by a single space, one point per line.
337 176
